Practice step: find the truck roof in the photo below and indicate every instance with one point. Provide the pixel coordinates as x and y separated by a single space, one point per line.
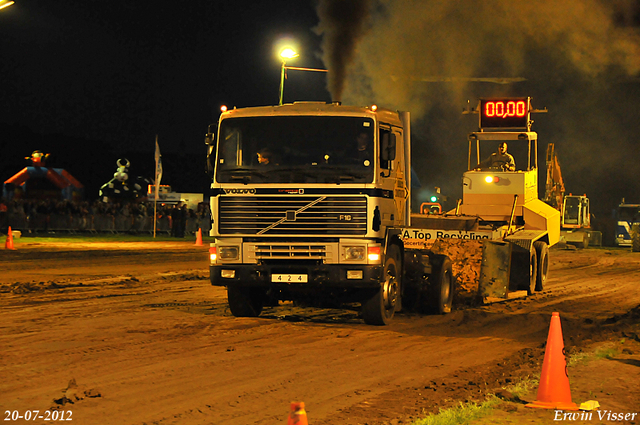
314 108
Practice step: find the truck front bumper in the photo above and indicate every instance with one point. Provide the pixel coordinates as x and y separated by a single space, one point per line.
317 276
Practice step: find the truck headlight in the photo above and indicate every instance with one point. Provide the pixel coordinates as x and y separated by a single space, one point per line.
354 253
228 252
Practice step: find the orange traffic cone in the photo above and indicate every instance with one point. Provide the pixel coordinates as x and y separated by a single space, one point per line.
554 391
199 237
298 416
9 242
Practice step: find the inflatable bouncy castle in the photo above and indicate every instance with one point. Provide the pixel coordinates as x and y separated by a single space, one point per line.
38 181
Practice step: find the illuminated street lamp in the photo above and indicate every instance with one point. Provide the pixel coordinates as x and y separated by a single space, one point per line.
289 53
285 54
5 3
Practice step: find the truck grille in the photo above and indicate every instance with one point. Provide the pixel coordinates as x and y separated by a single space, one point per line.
288 252
295 215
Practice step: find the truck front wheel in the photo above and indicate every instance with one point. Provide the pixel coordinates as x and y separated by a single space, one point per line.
245 302
381 306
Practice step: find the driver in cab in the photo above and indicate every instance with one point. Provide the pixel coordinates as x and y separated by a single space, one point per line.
500 160
362 143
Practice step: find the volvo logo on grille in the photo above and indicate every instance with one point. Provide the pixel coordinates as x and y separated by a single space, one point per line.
242 191
291 215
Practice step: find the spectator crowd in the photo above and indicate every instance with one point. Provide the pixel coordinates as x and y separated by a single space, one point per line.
43 216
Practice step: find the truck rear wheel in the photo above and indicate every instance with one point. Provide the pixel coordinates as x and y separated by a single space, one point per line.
441 290
380 308
532 269
542 251
245 302
524 267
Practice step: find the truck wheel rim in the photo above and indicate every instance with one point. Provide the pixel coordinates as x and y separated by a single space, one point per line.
390 292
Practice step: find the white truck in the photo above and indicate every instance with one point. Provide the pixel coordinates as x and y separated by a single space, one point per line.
329 217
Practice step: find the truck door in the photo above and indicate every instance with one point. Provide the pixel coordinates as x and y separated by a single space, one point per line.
392 169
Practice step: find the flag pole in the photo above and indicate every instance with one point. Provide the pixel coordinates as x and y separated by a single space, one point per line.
155 214
158 175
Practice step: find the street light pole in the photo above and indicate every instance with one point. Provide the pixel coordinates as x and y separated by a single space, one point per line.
282 82
290 54
285 54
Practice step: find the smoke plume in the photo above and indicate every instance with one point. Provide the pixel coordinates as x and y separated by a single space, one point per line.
408 41
341 24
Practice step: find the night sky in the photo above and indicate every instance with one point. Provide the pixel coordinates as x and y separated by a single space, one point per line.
124 71
91 81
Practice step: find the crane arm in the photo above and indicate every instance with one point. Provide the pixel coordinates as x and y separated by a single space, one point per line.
554 194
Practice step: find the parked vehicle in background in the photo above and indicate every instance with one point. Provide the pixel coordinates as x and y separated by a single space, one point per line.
575 225
627 215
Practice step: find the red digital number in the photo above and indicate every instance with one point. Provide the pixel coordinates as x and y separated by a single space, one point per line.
504 110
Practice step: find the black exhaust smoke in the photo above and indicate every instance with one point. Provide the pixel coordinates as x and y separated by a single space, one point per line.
341 24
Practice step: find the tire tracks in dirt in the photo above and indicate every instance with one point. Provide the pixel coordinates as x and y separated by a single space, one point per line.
163 348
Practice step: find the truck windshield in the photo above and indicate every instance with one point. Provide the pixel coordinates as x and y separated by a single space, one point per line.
630 213
295 149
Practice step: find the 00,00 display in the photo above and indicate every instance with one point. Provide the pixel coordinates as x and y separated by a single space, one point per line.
505 109
504 113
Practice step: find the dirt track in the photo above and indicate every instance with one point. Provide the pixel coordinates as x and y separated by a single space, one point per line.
149 340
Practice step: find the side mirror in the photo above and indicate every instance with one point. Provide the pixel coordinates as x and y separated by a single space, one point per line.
388 147
209 139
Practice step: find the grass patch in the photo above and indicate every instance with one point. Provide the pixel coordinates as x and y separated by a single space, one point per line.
467 412
579 358
462 414
604 352
523 387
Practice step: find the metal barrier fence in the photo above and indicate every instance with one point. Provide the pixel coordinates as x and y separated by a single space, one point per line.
97 223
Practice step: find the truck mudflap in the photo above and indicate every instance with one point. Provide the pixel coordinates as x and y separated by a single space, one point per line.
494 271
299 276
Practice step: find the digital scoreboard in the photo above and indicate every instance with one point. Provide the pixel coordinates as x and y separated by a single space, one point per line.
505 113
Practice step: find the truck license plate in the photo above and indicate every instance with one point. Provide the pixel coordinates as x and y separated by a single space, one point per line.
289 278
